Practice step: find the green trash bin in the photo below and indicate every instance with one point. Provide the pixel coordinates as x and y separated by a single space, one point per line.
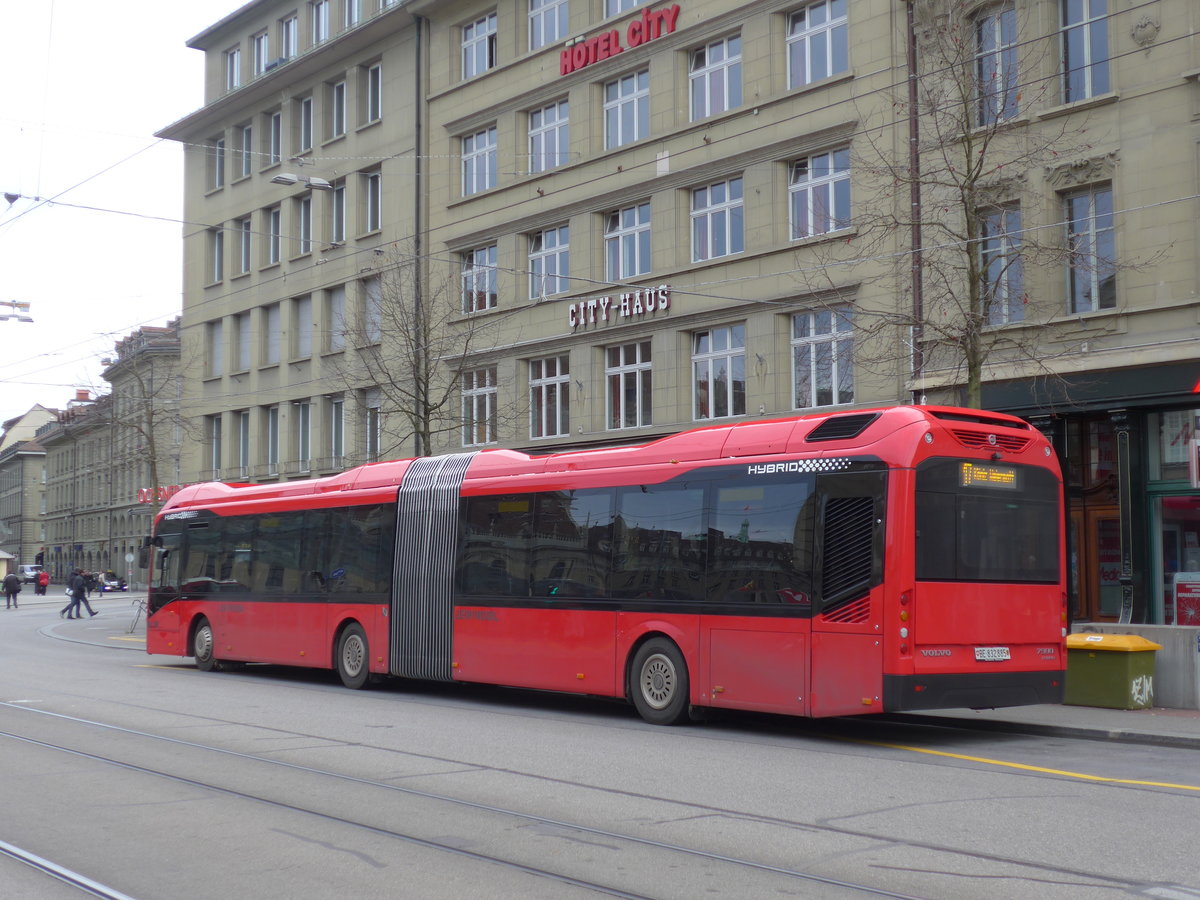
1110 670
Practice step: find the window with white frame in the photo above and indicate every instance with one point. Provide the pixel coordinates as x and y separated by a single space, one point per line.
271 418
479 283
274 137
627 109
243 229
216 255
373 422
272 335
822 358
628 375
1091 243
547 22
262 52
817 42
245 151
351 12
549 396
479 406
372 187
216 164
1003 281
303 411
302 327
819 193
373 308
479 161
274 234
336 414
337 213
242 417
548 137
337 109
372 80
616 7
996 85
243 336
319 20
717 220
304 124
715 77
719 372
1084 48
216 347
216 451
627 242
233 68
289 37
479 46
304 236
335 318
549 262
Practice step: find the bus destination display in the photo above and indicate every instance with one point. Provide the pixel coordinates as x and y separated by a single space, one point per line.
973 474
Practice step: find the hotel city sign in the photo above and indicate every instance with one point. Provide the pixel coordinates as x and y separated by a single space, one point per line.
633 305
651 24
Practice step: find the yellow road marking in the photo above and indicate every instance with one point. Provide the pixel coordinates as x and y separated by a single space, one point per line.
1014 765
133 639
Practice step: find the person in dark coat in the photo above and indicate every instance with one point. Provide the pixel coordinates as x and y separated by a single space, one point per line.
78 588
12 587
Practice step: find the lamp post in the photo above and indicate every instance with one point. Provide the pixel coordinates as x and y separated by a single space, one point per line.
15 309
310 181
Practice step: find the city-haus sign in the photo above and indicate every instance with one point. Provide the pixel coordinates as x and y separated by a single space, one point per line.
628 306
651 24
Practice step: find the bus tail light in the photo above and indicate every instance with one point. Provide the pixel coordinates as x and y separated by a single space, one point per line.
905 616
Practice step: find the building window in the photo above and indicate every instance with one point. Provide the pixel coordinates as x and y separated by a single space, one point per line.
715 77
303 435
1092 247
373 420
627 243
272 419
479 406
335 317
819 193
245 151
215 449
337 213
373 309
627 371
549 262
302 325
717 222
351 13
274 234
547 22
627 109
822 358
337 429
337 109
272 335
216 347
616 7
243 439
262 52
1084 48
373 195
241 324
373 93
216 255
1003 281
243 237
233 69
817 44
996 65
479 161
479 46
289 37
304 224
479 279
304 136
548 137
216 164
549 397
319 20
719 370
274 138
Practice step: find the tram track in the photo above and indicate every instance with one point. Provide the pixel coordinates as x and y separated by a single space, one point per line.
561 829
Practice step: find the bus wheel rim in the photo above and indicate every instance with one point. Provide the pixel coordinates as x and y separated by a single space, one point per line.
352 655
658 681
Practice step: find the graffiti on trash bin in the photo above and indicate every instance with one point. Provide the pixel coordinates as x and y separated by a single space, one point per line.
1142 690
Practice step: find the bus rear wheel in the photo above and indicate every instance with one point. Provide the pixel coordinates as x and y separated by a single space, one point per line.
659 682
202 647
353 657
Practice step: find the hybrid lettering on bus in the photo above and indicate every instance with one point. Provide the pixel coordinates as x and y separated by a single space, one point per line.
866 561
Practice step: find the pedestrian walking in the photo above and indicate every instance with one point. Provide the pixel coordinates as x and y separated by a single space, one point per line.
43 582
77 589
12 587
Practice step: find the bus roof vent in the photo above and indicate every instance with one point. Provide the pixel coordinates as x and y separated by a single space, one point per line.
840 428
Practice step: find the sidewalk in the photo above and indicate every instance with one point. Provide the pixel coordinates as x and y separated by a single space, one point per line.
1157 727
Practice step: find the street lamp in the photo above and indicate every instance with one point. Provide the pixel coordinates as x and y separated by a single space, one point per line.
311 181
15 309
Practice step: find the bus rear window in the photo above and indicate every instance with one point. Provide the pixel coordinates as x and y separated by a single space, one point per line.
987 523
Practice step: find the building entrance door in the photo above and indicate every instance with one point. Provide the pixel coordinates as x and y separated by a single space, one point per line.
1094 552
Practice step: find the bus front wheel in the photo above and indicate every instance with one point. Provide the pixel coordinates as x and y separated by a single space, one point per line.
353 657
659 685
202 647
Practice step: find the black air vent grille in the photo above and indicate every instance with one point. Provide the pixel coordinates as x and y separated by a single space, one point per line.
848 550
840 428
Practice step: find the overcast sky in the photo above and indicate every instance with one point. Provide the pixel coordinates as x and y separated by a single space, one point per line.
86 85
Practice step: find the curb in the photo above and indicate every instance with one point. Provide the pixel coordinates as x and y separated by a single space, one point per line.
1037 729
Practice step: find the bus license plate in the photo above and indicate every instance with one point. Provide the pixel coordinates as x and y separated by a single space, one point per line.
991 654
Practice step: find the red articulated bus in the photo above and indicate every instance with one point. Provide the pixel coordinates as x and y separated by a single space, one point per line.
862 561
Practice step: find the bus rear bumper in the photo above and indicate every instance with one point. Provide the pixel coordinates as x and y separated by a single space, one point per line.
971 690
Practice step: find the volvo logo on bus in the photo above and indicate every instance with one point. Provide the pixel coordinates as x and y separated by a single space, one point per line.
937 652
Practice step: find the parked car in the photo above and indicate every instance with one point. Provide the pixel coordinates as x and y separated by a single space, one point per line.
109 581
29 574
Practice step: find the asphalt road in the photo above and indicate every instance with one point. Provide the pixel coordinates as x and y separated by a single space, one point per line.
147 779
